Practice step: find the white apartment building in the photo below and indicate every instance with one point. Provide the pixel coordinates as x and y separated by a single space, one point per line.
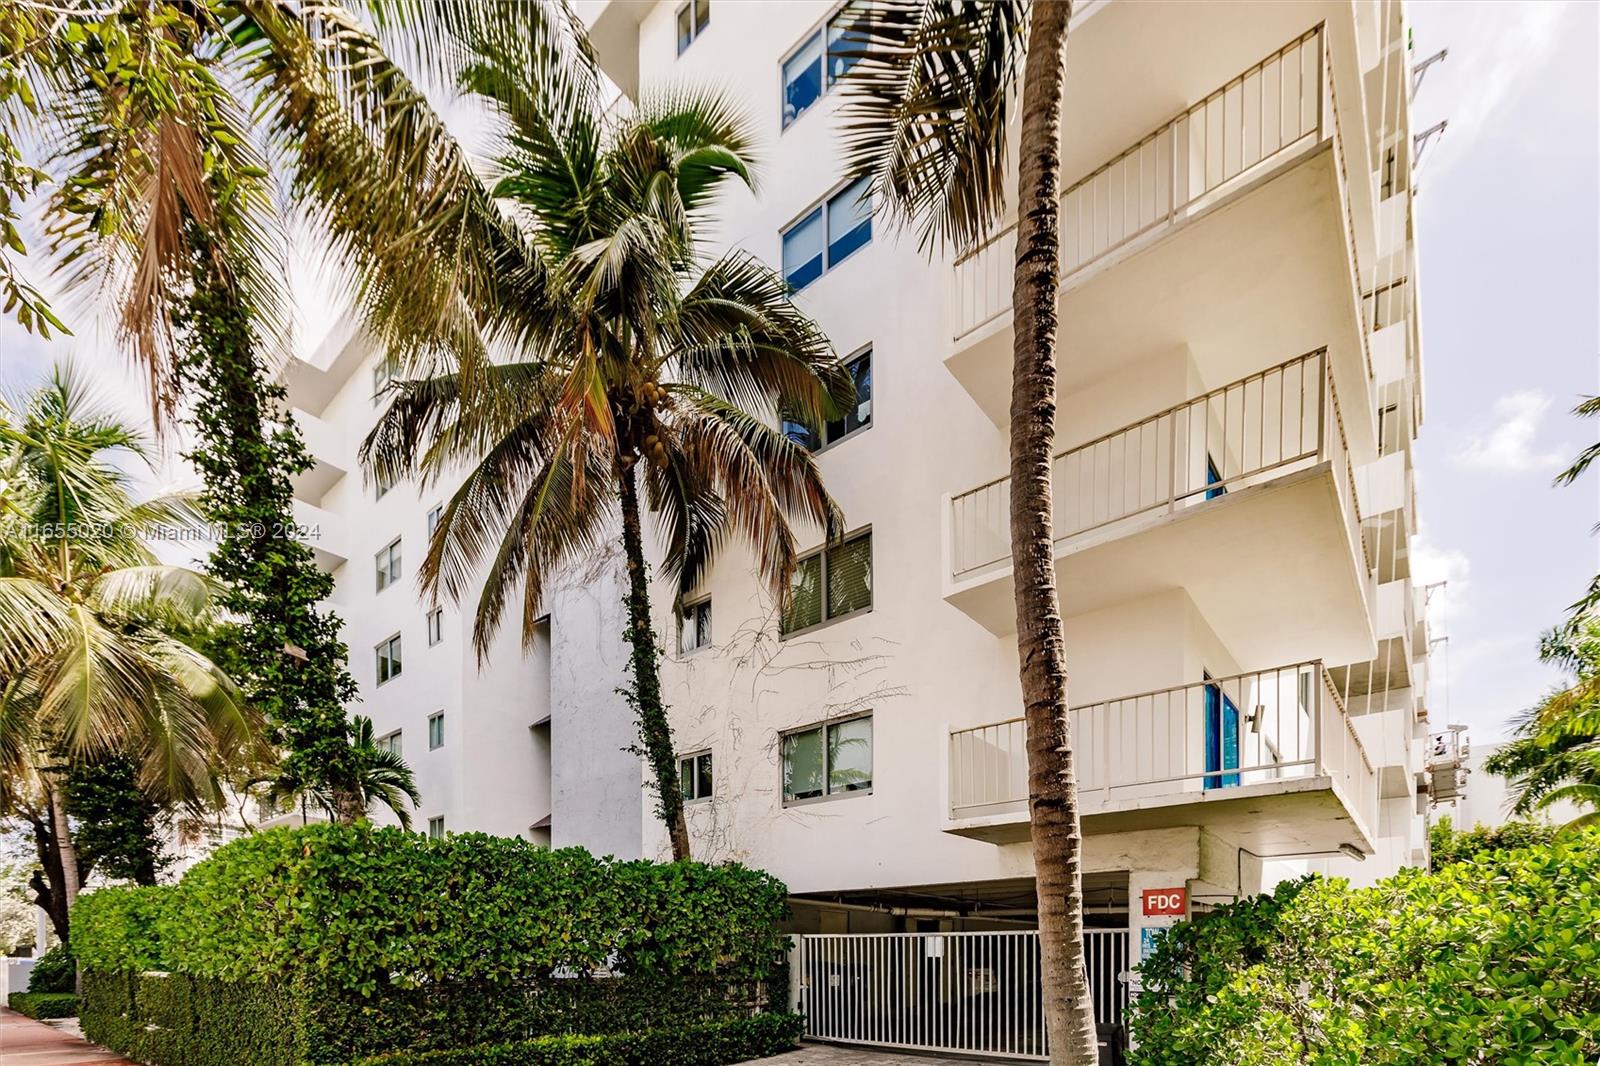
1240 390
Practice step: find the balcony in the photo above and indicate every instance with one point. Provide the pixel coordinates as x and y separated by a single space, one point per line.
323 533
1269 760
1241 496
329 461
1230 228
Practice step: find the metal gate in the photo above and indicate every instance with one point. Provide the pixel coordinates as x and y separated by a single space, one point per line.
977 993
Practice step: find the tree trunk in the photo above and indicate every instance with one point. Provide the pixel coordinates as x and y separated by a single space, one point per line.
61 830
655 732
1041 645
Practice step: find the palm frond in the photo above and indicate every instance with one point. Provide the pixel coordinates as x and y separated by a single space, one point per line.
927 106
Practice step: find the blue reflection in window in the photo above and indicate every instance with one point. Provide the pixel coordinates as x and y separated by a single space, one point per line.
802 251
802 79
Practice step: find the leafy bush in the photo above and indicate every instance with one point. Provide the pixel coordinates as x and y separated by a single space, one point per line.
363 940
54 971
712 1044
42 1005
1449 845
1492 959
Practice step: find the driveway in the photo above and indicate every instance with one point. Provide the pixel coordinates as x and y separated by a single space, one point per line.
828 1055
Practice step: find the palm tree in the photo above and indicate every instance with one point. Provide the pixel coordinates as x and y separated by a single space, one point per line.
1589 408
1554 756
632 374
96 636
383 777
928 109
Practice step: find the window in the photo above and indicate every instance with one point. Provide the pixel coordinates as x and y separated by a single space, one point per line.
435 626
827 234
857 417
382 483
436 828
433 518
1222 738
830 584
1388 428
1390 162
694 627
694 776
693 18
828 760
436 731
1214 485
808 73
389 565
383 375
389 659
390 743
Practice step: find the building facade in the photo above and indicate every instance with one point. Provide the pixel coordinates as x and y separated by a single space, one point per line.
1240 389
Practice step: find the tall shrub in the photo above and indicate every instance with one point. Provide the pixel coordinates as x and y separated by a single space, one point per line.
1494 959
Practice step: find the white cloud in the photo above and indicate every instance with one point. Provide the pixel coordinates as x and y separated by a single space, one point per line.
1508 447
1449 571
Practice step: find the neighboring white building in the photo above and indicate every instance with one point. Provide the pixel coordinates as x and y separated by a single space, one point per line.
1240 390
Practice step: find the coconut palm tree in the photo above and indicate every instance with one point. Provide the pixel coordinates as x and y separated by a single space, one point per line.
1554 754
632 374
1590 603
97 637
929 103
383 777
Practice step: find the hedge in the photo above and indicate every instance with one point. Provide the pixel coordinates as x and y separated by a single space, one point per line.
325 944
712 1044
42 1005
1494 959
54 971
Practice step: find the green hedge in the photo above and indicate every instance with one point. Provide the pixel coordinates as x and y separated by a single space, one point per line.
712 1044
363 907
42 1005
54 971
357 941
1490 960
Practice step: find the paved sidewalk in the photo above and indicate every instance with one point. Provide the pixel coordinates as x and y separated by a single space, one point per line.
25 1042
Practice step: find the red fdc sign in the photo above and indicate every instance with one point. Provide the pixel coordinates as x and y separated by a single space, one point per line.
1165 902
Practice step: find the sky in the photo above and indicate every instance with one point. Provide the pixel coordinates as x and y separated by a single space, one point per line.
1508 221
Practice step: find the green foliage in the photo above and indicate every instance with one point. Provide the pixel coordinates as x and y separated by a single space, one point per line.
173 1020
116 821
247 452
1492 959
1449 845
43 1005
54 971
711 1044
363 940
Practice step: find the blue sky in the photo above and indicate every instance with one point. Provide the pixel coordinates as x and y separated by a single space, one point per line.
1508 218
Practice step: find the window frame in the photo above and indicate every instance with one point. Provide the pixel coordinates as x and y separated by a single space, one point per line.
392 742
436 823
434 517
696 27
693 757
388 575
436 718
694 605
828 793
819 28
829 619
823 206
434 620
383 375
381 649
864 352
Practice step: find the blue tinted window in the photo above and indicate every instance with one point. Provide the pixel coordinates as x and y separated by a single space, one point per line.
859 416
844 42
802 251
849 221
802 79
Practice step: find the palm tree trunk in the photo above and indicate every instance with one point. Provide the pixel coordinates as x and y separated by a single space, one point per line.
61 829
655 732
1041 645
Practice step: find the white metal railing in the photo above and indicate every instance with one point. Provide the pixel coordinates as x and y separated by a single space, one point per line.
1260 116
1212 735
975 993
1272 423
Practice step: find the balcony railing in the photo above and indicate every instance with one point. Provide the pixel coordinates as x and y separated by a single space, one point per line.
1204 738
1277 106
1263 427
